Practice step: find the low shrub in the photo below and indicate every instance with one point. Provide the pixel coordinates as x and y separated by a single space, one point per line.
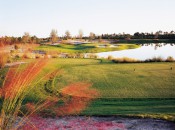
110 57
130 60
92 56
72 55
54 56
125 60
169 59
25 56
3 59
155 59
16 47
37 56
1 45
29 56
9 59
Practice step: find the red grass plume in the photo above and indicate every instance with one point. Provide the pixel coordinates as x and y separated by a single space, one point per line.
17 81
76 98
16 85
80 90
81 95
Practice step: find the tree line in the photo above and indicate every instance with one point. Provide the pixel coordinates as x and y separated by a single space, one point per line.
27 38
141 35
121 36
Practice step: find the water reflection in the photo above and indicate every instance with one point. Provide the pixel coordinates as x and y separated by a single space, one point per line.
146 51
157 45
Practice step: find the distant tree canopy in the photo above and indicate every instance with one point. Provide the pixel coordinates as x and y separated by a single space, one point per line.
156 35
138 35
53 36
26 38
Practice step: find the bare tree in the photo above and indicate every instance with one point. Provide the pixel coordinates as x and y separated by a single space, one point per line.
92 36
160 31
68 35
172 32
26 37
53 36
156 35
80 34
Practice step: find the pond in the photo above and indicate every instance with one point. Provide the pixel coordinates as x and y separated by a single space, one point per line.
146 51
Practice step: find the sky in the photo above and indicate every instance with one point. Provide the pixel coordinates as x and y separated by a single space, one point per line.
39 17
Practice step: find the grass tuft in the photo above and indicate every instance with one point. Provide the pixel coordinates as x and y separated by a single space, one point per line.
16 85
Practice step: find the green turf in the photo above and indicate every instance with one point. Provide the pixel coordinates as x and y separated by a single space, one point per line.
147 90
85 48
114 106
149 80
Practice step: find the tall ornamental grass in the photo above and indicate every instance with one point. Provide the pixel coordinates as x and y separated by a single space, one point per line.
16 85
19 81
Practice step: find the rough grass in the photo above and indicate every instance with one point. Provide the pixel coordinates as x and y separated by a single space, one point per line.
84 48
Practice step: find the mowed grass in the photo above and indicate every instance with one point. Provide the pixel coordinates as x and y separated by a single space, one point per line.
147 90
138 88
134 106
85 48
149 80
